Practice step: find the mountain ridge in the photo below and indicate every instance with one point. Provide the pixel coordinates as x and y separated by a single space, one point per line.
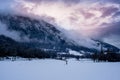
41 34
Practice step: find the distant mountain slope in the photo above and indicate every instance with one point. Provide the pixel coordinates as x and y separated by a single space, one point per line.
40 34
107 46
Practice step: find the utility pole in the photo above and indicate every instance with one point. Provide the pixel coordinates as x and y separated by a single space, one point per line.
101 47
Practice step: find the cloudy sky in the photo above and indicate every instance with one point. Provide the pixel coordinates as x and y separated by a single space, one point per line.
99 19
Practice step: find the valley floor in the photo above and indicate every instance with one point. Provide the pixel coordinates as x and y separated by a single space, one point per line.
49 69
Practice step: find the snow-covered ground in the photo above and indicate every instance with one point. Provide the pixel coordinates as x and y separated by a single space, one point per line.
58 70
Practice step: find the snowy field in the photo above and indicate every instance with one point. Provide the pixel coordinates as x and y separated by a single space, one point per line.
58 70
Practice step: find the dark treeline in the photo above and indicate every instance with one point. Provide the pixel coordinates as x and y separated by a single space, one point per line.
11 48
8 47
108 55
112 54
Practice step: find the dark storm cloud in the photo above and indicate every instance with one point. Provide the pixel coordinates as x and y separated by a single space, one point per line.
114 1
109 30
109 10
111 34
4 4
75 1
117 14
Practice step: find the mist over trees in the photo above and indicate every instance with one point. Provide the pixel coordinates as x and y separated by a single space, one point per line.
9 47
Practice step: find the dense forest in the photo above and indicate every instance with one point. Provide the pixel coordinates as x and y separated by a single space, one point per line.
11 48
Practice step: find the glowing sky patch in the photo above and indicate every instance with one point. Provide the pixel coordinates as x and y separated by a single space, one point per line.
81 17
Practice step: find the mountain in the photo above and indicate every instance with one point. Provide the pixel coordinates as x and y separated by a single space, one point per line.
40 35
9 47
107 46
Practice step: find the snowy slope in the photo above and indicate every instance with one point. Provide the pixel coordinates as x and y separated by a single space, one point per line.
38 33
41 34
